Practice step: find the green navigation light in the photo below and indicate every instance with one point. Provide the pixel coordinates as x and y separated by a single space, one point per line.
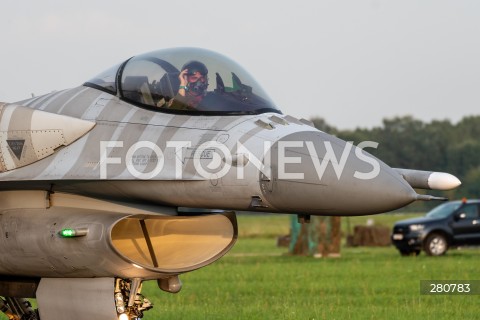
73 232
67 233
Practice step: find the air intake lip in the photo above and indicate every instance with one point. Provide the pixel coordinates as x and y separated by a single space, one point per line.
173 244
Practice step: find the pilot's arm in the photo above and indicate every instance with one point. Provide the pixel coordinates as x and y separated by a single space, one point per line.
182 90
180 100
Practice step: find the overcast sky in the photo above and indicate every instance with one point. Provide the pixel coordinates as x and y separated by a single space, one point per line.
351 62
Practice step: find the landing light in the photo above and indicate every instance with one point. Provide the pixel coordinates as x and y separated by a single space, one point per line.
123 316
417 227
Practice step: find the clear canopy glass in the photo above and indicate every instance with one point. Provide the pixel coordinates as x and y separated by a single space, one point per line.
189 80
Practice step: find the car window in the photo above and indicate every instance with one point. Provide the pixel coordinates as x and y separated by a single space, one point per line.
470 210
443 210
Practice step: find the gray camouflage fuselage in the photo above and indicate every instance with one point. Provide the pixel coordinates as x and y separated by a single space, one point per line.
76 168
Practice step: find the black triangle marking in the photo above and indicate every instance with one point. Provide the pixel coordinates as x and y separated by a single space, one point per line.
17 147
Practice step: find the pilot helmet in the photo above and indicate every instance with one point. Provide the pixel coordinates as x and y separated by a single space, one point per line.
195 66
197 88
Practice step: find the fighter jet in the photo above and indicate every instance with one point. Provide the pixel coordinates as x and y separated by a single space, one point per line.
137 174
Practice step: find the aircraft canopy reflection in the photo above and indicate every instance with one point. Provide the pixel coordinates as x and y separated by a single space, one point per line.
152 81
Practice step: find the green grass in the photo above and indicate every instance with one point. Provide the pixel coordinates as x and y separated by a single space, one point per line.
257 280
273 225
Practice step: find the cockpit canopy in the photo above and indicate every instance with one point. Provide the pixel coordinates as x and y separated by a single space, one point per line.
213 84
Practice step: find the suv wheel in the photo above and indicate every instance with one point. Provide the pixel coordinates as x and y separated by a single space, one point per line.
436 244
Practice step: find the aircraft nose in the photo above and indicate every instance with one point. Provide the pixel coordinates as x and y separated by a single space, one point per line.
316 173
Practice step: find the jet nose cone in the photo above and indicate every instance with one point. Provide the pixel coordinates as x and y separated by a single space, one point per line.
316 173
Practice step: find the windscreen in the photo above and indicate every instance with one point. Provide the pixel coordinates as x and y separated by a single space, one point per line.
443 210
106 80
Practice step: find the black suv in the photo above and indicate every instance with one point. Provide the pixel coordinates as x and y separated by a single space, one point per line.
451 224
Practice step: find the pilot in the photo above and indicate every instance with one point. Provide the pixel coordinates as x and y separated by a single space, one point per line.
193 86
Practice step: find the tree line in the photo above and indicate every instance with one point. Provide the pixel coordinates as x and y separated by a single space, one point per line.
406 142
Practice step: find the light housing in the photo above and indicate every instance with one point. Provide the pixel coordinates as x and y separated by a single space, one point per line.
72 232
123 316
417 227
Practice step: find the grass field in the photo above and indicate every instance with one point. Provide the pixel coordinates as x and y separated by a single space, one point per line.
256 280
